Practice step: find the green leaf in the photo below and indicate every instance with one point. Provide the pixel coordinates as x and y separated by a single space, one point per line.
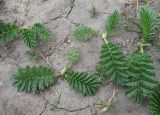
84 33
148 23
35 33
154 105
142 81
82 82
33 79
112 23
114 63
8 32
30 38
41 32
74 56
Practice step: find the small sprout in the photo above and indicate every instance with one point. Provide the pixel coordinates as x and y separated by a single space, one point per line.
32 54
103 106
84 33
73 59
94 13
74 56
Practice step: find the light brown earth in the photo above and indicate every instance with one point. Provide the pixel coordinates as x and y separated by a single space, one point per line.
61 17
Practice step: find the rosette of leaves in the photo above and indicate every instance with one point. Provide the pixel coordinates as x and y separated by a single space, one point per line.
142 77
33 79
155 101
8 32
33 34
84 33
82 82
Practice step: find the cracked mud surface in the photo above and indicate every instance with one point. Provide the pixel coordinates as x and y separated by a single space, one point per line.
61 17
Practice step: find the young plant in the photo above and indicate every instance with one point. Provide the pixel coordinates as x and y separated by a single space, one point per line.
80 81
94 12
8 32
33 79
142 76
155 101
112 58
104 106
84 33
147 24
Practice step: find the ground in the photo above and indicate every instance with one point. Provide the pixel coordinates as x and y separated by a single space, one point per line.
61 17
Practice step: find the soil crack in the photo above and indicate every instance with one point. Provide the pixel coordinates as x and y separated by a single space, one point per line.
66 109
71 8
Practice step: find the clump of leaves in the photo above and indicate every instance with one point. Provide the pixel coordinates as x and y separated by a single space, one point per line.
31 35
33 79
114 63
84 33
147 24
82 82
112 23
74 56
32 54
8 32
94 12
142 81
155 101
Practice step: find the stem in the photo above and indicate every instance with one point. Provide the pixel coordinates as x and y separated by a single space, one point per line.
141 48
66 67
104 37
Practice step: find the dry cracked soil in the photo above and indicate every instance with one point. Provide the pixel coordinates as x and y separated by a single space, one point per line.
61 17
